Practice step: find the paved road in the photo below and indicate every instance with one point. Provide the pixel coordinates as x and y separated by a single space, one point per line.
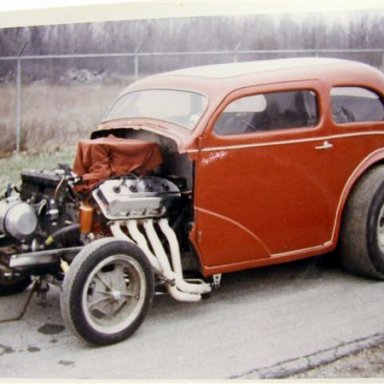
258 324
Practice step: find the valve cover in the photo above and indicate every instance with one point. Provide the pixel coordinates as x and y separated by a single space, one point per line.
134 198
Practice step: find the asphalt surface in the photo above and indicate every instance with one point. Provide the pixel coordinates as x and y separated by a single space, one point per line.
263 323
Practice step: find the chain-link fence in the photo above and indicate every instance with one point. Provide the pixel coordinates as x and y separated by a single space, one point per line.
51 101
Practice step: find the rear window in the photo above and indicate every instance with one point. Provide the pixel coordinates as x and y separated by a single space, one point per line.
269 111
356 104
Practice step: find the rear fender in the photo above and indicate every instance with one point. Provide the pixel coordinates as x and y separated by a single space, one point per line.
373 159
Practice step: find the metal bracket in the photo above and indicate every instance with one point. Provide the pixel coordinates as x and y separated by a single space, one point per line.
42 288
216 280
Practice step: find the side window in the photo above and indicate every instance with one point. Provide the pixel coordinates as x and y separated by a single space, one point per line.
355 104
267 112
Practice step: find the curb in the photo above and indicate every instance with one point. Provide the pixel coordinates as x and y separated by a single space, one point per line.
314 360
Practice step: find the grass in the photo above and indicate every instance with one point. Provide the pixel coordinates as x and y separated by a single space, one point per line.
53 117
10 168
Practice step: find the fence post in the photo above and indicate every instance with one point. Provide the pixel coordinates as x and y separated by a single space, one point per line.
136 61
235 56
18 99
18 106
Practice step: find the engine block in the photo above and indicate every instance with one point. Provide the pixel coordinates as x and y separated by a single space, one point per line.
37 185
136 198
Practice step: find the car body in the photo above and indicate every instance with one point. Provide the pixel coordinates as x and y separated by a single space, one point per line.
211 169
272 195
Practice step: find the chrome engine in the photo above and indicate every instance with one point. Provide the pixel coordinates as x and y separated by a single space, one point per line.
46 202
135 198
41 224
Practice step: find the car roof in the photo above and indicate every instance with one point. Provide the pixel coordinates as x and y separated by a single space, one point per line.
245 68
223 78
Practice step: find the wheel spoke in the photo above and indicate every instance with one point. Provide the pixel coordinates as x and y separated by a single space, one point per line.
117 278
129 292
99 303
101 277
100 291
118 307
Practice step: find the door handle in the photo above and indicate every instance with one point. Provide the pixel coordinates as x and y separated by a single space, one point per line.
326 145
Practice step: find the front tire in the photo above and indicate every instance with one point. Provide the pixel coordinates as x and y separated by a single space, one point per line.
362 232
107 291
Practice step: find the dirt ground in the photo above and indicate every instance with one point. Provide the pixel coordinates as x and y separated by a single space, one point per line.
368 363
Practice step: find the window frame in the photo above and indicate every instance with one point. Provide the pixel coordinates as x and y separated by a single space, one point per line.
203 96
268 89
359 122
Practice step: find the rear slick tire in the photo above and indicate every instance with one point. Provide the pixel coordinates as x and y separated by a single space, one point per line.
362 233
107 291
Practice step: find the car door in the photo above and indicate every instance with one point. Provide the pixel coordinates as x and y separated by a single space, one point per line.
262 179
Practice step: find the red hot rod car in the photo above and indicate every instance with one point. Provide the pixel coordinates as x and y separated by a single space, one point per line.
212 169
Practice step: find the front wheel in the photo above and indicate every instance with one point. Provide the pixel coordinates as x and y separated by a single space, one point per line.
107 291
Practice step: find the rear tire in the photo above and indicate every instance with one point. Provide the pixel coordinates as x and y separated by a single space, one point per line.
362 231
107 291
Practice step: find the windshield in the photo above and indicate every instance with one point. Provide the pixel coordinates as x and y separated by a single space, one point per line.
181 107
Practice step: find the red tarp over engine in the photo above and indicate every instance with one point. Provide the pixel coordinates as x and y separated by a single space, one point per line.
110 156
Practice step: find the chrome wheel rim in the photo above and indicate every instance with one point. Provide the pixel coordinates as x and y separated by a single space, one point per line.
114 294
380 230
